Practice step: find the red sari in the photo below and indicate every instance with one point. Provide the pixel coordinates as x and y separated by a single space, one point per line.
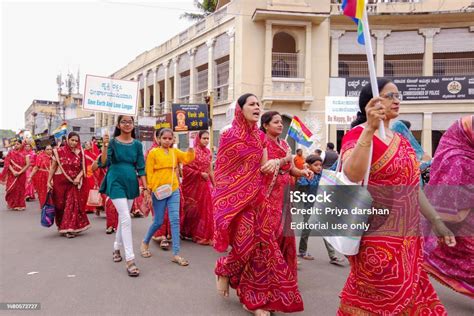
243 219
15 186
40 179
69 201
198 222
92 179
30 189
386 275
286 237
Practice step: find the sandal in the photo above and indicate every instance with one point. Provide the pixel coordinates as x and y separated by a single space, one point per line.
222 287
165 245
116 256
109 230
132 270
180 261
258 312
306 256
145 252
70 235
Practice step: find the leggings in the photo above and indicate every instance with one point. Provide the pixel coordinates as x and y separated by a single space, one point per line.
123 237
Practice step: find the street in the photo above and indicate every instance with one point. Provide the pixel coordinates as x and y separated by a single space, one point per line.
77 276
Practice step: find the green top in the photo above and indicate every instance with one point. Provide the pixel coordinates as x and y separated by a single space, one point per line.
124 162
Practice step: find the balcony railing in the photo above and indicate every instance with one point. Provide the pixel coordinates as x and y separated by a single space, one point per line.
287 65
353 69
403 68
453 67
200 96
221 93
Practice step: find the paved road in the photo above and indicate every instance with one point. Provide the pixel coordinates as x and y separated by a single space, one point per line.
101 287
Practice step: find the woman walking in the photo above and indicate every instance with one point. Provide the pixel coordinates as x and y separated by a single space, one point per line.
255 266
65 180
198 223
93 178
275 184
14 176
30 189
40 173
123 156
450 192
161 167
386 275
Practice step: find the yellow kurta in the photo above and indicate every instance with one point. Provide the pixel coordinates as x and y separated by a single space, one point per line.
160 165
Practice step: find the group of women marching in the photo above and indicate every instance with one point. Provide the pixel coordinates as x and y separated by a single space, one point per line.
237 207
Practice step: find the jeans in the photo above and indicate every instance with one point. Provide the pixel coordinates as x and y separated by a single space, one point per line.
124 229
159 206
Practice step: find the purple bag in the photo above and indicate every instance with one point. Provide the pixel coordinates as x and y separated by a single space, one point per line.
47 212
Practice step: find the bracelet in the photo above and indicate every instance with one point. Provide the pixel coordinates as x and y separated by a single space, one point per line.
363 144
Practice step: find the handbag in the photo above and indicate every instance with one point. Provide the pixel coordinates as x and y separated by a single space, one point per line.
94 198
47 212
355 197
164 191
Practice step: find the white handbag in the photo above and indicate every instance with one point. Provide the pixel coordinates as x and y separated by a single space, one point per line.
164 191
347 245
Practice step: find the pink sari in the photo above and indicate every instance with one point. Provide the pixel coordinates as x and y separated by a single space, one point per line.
198 222
286 237
243 219
15 186
451 191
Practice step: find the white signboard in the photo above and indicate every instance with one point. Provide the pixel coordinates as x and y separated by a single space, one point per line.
341 110
108 95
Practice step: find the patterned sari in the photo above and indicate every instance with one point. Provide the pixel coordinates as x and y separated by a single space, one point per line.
451 191
198 222
69 201
15 186
40 179
286 237
30 189
92 179
243 219
386 275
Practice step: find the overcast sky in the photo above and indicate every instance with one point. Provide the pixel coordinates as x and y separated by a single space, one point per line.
41 39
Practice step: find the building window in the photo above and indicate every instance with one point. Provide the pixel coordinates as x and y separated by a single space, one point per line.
184 86
92 130
201 83
286 62
453 64
403 65
222 79
76 128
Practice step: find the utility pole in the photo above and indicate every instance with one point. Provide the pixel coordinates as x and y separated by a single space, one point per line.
210 108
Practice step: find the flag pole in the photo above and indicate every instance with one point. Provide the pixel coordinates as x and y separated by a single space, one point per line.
371 63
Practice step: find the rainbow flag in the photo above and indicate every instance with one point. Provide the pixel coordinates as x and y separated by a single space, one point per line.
355 10
299 132
60 131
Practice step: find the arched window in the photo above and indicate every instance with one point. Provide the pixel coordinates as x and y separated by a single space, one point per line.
285 59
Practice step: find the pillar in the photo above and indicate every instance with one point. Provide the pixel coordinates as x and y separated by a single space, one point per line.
231 34
380 35
308 91
335 36
267 77
210 64
146 98
426 139
156 92
167 87
192 75
429 34
176 79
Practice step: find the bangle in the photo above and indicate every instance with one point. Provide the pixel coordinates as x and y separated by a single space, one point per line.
363 144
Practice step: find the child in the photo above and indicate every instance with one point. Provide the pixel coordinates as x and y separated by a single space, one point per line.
315 164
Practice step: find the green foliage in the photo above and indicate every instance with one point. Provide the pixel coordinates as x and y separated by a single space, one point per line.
6 133
206 7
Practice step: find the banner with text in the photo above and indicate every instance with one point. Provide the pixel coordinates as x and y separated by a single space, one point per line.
190 117
163 121
423 88
341 110
108 95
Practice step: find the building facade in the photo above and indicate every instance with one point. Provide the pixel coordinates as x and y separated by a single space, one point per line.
287 51
40 116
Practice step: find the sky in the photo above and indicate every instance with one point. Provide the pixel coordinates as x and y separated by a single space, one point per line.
40 39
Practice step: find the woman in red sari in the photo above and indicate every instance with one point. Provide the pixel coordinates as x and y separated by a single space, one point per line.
255 266
14 175
65 179
39 175
198 222
30 189
93 179
386 275
275 184
450 190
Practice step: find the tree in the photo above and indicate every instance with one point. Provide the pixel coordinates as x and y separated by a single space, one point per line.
206 6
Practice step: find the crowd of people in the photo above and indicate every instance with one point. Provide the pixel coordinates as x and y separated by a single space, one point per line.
237 205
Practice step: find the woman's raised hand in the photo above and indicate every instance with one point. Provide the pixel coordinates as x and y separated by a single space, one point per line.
375 113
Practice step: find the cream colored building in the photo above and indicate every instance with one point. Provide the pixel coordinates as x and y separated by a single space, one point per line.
40 115
286 51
